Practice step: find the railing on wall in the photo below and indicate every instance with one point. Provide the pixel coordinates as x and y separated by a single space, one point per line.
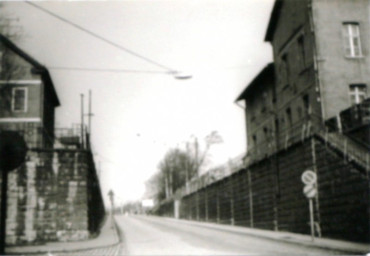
297 132
33 133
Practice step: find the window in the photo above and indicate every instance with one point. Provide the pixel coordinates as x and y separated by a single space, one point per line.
19 99
351 36
357 93
264 102
289 116
301 51
306 104
285 70
254 137
1 61
266 133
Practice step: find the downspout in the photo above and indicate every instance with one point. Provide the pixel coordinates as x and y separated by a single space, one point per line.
318 84
319 90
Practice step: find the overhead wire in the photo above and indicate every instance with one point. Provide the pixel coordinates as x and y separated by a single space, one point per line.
93 34
108 70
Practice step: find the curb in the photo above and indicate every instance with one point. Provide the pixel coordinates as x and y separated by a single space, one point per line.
76 250
288 239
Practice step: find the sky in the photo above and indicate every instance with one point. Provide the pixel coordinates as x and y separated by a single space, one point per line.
138 116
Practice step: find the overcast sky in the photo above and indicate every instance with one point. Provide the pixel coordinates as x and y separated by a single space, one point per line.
138 116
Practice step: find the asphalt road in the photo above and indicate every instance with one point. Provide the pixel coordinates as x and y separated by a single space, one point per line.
147 235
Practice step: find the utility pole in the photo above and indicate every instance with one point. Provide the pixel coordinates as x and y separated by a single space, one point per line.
90 114
82 120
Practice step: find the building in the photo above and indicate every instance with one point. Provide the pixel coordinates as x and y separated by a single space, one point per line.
310 110
55 195
260 104
28 96
321 69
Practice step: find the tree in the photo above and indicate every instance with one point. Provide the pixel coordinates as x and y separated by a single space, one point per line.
178 167
199 158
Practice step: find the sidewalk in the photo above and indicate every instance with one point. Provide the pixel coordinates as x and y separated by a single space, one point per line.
108 237
287 237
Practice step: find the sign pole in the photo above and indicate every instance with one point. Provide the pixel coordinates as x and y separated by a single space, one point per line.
309 178
311 220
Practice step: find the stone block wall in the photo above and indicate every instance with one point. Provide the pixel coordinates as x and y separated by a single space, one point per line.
48 198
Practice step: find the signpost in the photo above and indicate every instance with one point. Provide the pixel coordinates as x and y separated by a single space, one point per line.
13 151
111 197
309 178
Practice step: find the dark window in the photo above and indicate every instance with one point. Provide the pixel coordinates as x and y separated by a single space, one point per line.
289 116
306 104
302 51
266 133
285 69
1 61
254 137
277 125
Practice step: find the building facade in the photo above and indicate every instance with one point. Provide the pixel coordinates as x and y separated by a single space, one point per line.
28 96
321 69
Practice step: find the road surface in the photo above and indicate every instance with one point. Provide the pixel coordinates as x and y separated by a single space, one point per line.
148 235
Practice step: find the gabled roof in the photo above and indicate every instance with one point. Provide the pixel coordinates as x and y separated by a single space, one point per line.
273 20
266 73
37 67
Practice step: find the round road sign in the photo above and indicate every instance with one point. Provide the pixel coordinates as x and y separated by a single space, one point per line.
308 177
310 191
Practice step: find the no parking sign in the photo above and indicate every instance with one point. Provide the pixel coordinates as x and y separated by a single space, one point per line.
309 178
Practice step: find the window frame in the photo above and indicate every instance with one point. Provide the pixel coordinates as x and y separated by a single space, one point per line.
357 93
349 35
25 101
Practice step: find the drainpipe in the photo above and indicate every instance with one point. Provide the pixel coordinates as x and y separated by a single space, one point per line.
318 83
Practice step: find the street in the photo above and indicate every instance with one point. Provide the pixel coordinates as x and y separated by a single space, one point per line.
147 235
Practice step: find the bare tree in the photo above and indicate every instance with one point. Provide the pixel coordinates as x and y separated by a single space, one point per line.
179 166
199 157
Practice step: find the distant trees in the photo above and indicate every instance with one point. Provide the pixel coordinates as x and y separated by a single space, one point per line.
179 166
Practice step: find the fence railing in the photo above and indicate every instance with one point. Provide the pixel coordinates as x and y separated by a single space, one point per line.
299 131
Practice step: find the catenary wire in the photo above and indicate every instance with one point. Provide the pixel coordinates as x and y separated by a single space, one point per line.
109 70
91 33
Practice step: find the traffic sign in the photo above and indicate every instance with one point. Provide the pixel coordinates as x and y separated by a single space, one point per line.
309 177
310 191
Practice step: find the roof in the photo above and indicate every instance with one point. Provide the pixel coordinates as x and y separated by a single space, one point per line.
267 72
273 20
37 67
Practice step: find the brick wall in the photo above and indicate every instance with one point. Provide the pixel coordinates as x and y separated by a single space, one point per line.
48 198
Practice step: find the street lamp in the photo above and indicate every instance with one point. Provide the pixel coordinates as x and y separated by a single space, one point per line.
181 75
